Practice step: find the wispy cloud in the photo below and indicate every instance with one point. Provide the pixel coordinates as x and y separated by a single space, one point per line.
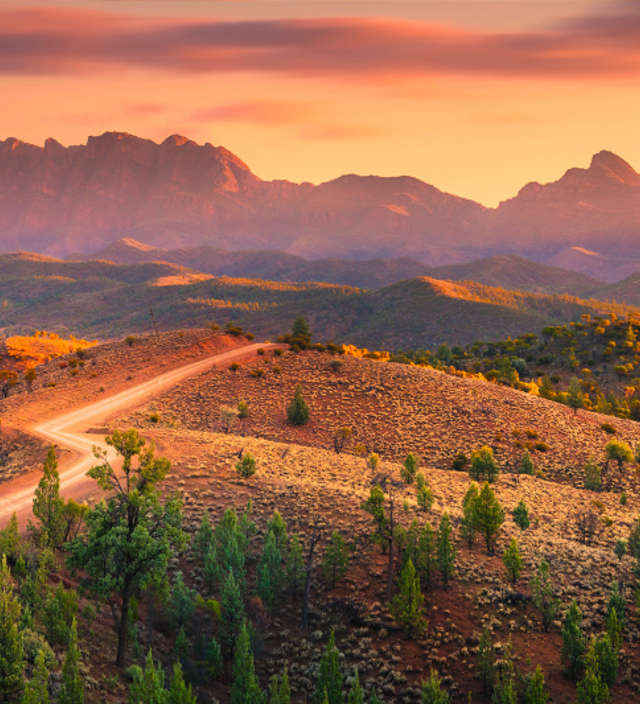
265 112
43 41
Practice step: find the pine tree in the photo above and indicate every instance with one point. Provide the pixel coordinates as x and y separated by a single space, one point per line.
231 610
147 686
356 695
408 605
485 660
245 688
573 642
614 629
617 602
432 692
48 507
468 524
483 465
37 689
607 659
295 565
592 689
521 515
72 691
426 556
182 602
213 656
203 539
488 516
543 597
409 469
446 550
534 691
329 682
278 527
335 561
180 692
279 689
270 572
374 698
512 561
298 411
10 542
11 652
526 466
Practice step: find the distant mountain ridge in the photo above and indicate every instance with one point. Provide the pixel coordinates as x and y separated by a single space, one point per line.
505 271
178 194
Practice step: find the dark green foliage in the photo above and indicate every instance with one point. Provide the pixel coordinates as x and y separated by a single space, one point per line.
512 561
231 610
278 527
48 507
11 652
618 451
228 548
335 561
179 691
573 642
575 394
543 597
488 516
37 689
592 689
279 689
409 468
446 552
181 647
592 476
617 602
504 687
147 686
485 660
460 461
468 524
419 545
607 657
620 548
10 542
521 515
483 465
300 333
270 575
408 604
297 410
375 506
72 691
182 602
203 539
245 688
526 466
246 466
424 496
295 565
432 692
614 630
130 536
356 695
329 682
58 611
534 689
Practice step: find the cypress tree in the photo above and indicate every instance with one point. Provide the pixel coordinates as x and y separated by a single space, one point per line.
485 660
245 688
203 539
329 683
446 550
72 691
374 698
11 651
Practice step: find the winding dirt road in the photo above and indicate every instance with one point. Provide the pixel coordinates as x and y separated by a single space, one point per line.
70 431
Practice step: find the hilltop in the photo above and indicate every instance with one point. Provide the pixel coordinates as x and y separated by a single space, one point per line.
178 194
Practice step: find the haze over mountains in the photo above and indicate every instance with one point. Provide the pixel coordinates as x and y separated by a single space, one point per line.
177 194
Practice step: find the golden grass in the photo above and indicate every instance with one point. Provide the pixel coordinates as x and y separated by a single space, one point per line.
43 346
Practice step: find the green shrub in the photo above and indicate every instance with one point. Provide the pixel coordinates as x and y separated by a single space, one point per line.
246 467
298 411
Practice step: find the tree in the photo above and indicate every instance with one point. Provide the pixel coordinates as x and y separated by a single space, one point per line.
575 395
543 597
298 411
408 604
618 451
279 689
521 515
231 610
37 689
468 524
446 552
512 561
356 695
620 548
29 378
409 468
432 692
270 572
243 409
10 541
130 536
295 565
330 676
592 689
11 651
607 657
340 439
335 561
573 642
534 690
592 476
485 660
526 466
424 496
182 602
488 516
147 686
385 527
48 506
617 602
245 688
300 333
179 691
246 466
614 630
483 465
72 691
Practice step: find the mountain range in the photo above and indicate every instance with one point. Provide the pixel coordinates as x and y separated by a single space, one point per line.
178 194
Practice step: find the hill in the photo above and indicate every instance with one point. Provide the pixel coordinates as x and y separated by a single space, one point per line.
100 299
178 194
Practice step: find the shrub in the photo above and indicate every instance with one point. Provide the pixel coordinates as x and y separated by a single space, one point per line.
424 496
488 516
340 439
526 466
608 428
246 467
460 461
543 597
592 476
298 411
521 515
432 692
243 409
130 340
483 465
409 468
619 452
512 561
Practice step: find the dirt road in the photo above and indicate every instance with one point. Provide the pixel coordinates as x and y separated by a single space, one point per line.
69 431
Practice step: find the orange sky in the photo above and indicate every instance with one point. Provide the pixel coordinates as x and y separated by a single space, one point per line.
475 97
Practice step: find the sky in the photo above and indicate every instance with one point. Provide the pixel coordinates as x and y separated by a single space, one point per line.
477 97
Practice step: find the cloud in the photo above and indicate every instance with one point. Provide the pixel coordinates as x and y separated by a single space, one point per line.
45 41
265 112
